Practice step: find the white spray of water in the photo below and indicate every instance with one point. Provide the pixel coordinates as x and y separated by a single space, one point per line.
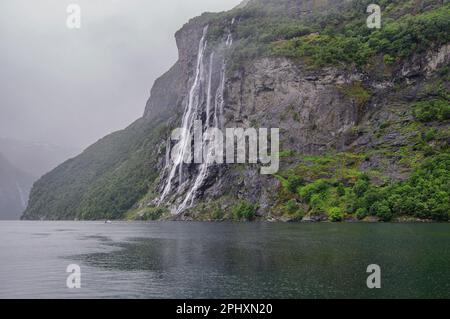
229 40
209 149
208 98
191 112
188 119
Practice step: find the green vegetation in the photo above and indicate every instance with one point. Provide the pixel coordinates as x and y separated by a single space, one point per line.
337 37
215 210
352 42
105 181
357 92
319 182
425 194
217 213
287 153
293 210
325 49
151 213
432 110
244 211
430 135
336 214
293 182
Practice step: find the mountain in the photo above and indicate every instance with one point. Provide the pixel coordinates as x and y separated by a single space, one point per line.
31 160
363 117
15 186
34 158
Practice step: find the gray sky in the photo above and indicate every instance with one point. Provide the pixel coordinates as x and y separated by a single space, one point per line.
72 87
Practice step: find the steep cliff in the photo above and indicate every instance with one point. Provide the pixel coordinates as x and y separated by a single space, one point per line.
363 116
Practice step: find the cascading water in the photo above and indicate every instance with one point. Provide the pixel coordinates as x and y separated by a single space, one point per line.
197 109
187 122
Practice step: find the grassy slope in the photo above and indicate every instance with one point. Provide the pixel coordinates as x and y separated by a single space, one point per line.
103 182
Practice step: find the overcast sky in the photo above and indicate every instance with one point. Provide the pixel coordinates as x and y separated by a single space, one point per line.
72 87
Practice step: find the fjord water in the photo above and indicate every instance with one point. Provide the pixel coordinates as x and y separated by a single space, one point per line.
223 260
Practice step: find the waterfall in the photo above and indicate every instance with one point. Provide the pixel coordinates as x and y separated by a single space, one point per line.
197 108
229 40
188 119
22 196
208 98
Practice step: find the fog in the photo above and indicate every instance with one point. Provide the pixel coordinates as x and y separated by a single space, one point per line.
70 87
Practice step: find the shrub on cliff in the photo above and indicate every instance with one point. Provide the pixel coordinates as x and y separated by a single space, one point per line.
432 110
335 214
153 213
352 42
244 211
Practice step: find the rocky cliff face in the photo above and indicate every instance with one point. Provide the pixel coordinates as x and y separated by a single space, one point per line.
318 115
320 110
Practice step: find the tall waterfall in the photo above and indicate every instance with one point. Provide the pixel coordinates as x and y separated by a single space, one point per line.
205 102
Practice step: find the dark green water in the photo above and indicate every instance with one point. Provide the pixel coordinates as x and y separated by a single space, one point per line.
224 260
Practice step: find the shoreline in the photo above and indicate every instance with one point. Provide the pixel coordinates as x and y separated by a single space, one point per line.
256 221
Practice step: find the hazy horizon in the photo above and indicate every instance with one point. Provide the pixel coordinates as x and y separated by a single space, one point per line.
72 87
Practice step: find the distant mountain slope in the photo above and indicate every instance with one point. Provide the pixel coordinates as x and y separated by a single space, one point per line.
35 159
15 187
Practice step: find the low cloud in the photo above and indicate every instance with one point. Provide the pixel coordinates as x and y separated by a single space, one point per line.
72 87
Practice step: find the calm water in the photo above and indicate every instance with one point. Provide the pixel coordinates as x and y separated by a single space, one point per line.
223 260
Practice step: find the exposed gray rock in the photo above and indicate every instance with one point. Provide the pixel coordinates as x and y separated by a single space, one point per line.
315 218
